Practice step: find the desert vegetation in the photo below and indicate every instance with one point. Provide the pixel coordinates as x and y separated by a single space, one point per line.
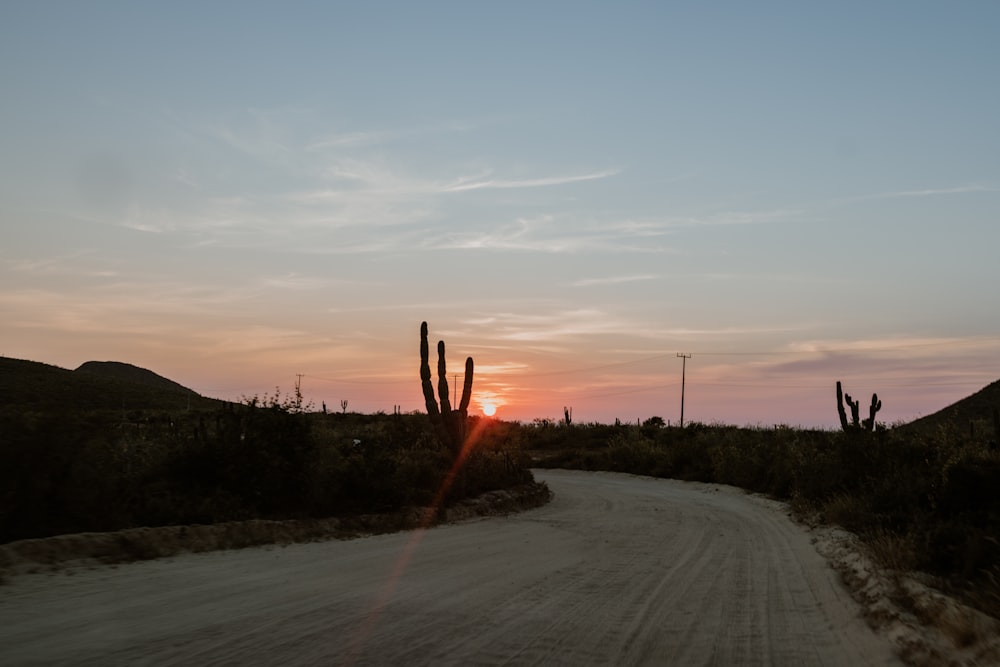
83 464
923 496
89 471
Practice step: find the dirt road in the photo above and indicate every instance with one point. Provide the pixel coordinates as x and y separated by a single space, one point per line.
616 570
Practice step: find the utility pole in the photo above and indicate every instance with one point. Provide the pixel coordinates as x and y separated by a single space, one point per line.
684 358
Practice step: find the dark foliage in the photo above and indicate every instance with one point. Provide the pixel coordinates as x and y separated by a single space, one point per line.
72 471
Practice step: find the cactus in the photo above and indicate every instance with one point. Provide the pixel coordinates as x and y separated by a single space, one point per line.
855 406
856 424
875 407
568 415
840 407
449 424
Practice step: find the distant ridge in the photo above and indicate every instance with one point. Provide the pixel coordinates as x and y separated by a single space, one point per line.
106 385
975 408
134 374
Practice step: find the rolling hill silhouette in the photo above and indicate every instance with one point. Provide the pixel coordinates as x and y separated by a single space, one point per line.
977 407
133 374
96 385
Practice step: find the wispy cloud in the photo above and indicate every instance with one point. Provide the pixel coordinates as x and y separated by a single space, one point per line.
523 234
80 264
546 234
350 139
267 178
463 185
612 280
183 177
565 233
554 326
666 224
295 281
374 177
364 138
731 330
894 344
501 369
929 192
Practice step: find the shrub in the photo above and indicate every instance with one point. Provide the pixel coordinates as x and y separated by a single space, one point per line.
89 471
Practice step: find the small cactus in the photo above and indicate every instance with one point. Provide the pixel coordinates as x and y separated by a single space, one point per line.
855 405
855 411
875 407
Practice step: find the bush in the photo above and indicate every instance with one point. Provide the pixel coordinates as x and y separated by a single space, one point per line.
92 471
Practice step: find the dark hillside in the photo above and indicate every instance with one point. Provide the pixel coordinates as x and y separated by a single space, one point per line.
34 386
975 410
133 374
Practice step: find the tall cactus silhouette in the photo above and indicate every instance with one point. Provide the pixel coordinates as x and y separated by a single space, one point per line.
449 424
875 406
840 407
856 423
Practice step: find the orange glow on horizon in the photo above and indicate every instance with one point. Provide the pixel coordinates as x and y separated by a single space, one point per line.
490 401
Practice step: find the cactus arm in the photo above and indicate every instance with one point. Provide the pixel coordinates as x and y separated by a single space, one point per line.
840 407
463 407
425 373
443 380
855 411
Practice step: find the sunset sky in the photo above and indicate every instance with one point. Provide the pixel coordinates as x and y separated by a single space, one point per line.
233 194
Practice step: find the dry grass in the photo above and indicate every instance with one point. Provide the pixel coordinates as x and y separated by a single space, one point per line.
891 551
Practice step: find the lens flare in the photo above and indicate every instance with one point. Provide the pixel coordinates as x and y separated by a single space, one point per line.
371 619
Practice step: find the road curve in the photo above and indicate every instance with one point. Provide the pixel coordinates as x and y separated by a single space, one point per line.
616 570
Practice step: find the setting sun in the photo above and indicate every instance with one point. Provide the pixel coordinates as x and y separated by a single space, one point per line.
489 409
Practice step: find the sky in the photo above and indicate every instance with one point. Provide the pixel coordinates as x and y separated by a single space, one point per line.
241 196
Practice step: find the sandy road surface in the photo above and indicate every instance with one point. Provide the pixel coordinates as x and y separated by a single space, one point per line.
616 570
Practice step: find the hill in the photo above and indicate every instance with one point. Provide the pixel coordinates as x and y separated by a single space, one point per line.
977 409
128 373
31 385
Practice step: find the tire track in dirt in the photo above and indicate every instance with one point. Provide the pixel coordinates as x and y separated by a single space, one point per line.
616 570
